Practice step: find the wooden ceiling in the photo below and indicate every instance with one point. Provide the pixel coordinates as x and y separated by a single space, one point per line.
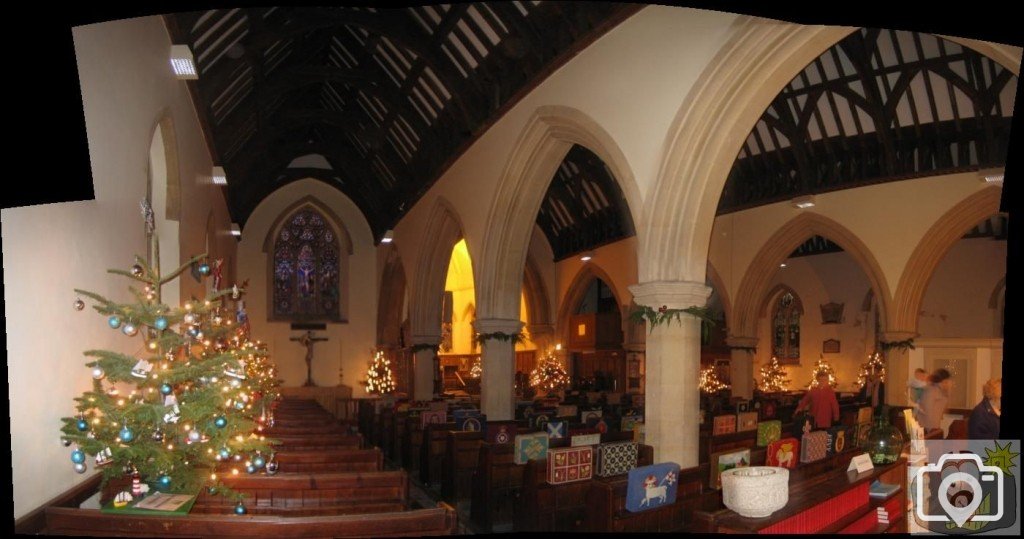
377 102
880 105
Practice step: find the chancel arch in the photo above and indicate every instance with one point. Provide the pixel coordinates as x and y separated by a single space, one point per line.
164 193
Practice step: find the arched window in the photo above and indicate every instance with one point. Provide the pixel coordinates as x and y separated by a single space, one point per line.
786 328
307 272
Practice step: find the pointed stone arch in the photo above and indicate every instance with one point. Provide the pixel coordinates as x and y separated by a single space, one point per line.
769 299
719 288
751 294
442 231
549 135
538 308
577 289
932 248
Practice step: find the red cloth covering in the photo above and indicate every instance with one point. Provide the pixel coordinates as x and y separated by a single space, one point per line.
822 403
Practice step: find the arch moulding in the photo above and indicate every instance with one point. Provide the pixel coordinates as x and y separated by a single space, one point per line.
750 299
933 247
577 289
442 231
548 136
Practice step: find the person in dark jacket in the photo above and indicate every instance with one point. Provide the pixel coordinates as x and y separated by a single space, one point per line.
983 424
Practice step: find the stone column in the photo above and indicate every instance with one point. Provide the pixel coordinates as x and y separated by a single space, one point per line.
897 367
672 416
497 385
424 367
741 365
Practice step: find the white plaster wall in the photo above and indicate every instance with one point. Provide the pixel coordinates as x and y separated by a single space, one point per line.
634 101
617 260
956 303
818 280
48 250
349 345
890 218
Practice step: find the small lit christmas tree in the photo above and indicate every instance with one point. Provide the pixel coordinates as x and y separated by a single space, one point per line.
875 364
820 367
709 382
477 371
549 375
379 378
773 377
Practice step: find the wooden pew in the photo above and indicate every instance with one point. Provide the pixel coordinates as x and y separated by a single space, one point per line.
312 494
550 508
460 458
607 502
387 428
432 453
496 484
335 460
397 432
319 442
441 520
411 442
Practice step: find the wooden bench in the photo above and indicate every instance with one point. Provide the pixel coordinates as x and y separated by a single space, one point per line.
397 432
333 460
411 442
312 494
550 508
387 428
319 442
441 520
462 449
607 503
432 453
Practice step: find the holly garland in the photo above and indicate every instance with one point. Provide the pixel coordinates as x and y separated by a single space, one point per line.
907 344
515 338
664 315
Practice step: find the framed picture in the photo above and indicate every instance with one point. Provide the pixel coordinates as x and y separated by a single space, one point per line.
830 346
727 460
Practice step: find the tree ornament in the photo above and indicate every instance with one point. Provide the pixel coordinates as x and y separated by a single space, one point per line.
80 467
166 389
272 466
65 441
79 304
251 468
189 318
224 453
78 456
126 434
160 323
137 270
114 322
97 373
220 422
258 461
82 424
193 332
136 483
165 481
204 269
195 435
240 509
158 436
129 329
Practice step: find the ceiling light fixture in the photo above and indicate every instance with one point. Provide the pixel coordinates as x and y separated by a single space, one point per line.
782 265
183 63
803 202
219 176
236 230
587 256
389 236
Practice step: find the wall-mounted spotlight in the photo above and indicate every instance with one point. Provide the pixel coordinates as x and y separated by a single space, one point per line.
219 176
236 230
183 63
803 202
389 236
587 256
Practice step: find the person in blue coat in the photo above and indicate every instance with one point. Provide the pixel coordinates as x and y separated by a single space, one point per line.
983 423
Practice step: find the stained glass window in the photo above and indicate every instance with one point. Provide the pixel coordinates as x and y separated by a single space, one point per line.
306 269
786 329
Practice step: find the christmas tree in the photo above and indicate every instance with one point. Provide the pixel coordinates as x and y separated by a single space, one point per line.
379 378
709 382
171 412
773 377
875 364
823 366
549 375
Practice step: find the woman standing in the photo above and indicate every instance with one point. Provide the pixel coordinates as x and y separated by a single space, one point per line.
935 400
983 424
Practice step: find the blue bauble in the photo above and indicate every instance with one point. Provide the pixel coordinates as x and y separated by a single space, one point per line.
165 481
166 389
240 509
114 321
251 468
258 462
220 422
224 453
193 331
239 405
77 456
82 425
126 434
160 323
204 269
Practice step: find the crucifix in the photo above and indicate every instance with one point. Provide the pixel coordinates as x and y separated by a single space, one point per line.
308 340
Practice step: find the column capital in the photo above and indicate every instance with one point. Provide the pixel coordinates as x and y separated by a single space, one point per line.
735 341
541 329
497 325
671 294
433 340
